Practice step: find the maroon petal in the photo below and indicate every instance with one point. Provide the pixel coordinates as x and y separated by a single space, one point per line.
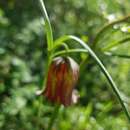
62 77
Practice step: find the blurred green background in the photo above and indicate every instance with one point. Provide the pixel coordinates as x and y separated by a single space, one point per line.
23 57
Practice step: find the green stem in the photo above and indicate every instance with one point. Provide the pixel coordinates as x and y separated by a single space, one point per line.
49 35
53 117
103 29
59 41
105 72
39 113
64 52
47 26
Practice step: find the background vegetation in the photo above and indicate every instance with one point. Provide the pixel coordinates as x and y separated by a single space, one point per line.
23 57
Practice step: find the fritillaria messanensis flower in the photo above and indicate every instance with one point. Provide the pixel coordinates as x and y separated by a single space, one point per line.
62 77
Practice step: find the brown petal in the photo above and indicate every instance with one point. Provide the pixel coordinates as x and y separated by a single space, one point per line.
62 78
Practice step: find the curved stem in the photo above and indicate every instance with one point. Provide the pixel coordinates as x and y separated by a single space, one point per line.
103 29
47 26
65 46
60 41
69 51
105 72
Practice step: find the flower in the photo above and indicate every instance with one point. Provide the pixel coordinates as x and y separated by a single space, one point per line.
62 77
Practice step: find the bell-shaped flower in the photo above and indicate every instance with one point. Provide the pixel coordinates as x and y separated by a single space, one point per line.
62 78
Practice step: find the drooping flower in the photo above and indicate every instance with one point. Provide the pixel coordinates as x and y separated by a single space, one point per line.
62 77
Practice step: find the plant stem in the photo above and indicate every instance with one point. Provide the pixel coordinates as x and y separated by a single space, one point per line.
39 113
49 35
64 52
53 117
